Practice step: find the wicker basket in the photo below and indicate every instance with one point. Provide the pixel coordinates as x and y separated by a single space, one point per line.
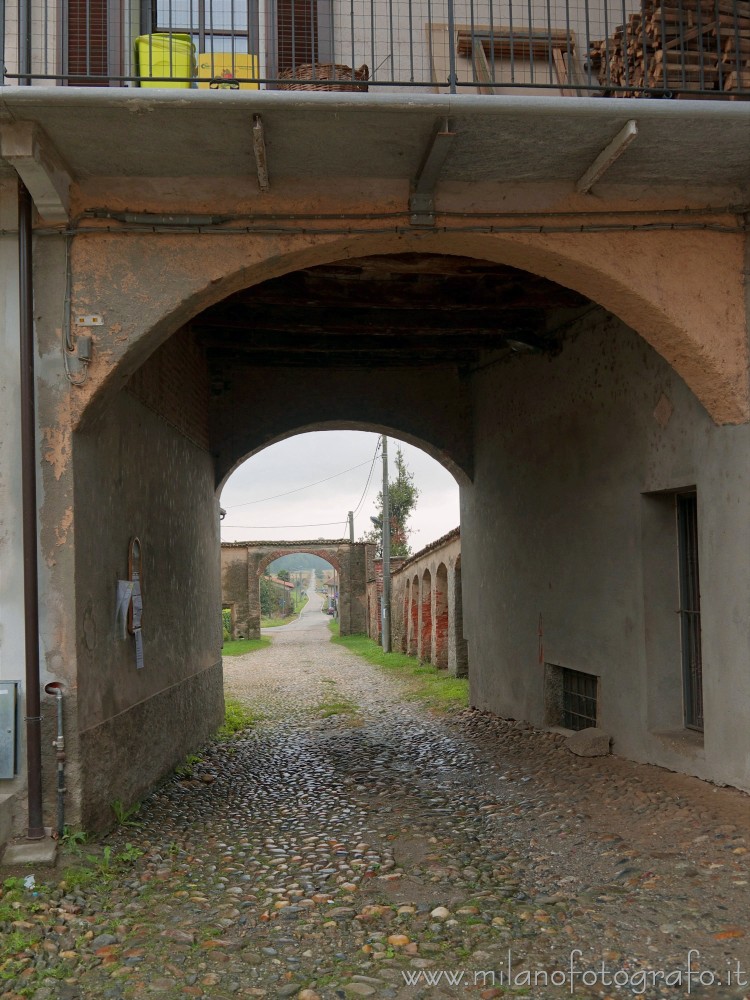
325 76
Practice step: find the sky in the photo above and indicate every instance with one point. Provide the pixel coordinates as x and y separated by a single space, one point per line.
256 511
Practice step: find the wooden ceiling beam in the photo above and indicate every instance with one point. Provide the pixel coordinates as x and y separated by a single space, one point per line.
355 321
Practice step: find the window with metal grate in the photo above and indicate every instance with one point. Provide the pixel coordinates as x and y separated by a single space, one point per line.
579 699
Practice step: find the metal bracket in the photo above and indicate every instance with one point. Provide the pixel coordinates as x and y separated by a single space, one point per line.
611 152
261 156
422 198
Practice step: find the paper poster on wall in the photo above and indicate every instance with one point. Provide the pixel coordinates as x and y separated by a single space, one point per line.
124 595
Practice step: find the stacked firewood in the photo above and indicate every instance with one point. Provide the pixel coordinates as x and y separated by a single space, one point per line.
678 47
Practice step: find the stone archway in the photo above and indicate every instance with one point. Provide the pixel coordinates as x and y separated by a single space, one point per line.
242 564
171 499
655 288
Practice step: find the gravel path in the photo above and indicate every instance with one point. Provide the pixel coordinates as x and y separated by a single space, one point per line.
353 844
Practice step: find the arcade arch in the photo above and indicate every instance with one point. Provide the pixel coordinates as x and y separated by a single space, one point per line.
441 360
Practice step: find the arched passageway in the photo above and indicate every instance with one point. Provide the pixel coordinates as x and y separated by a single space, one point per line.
440 618
414 618
555 418
242 564
425 617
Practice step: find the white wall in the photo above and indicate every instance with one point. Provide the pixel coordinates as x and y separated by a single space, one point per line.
11 556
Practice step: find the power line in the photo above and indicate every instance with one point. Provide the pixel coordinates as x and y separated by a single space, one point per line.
369 477
247 503
269 527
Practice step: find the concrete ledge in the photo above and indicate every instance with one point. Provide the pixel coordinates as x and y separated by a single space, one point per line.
6 817
31 852
686 742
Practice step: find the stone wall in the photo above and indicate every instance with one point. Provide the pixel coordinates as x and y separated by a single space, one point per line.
375 597
242 563
134 724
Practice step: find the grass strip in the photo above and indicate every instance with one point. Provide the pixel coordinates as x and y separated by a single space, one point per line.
237 647
435 688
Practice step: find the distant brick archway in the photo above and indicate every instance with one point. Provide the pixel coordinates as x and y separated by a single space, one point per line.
242 564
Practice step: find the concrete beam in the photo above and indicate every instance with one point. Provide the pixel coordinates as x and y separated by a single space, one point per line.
25 147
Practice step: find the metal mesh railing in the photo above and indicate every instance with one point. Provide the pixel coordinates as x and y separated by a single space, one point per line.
630 48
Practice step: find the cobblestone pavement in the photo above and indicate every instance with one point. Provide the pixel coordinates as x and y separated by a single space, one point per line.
352 844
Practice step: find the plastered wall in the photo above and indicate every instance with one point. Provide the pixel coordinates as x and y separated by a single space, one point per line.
570 551
137 475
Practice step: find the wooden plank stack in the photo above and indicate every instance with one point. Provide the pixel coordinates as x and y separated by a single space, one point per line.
676 48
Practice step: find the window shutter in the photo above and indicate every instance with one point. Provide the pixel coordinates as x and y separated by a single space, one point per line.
296 26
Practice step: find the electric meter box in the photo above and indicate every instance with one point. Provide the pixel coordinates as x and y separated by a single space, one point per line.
9 700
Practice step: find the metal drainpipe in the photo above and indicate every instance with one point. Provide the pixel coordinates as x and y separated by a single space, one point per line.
56 688
28 480
28 470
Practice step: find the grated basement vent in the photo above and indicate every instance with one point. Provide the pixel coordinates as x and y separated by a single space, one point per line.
579 699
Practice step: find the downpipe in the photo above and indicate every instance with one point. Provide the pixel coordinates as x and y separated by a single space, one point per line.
56 688
29 519
35 829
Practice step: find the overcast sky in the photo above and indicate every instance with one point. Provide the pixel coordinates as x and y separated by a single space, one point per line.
255 511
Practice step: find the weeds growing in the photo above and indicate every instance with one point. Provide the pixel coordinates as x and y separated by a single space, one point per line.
425 683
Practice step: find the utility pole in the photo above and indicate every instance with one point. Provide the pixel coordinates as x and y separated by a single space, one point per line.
386 616
351 526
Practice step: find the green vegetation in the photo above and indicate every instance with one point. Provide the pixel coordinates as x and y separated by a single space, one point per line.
402 499
299 562
298 604
186 769
238 647
72 840
277 603
343 706
425 683
237 717
125 815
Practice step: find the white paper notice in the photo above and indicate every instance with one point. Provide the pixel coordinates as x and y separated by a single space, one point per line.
124 594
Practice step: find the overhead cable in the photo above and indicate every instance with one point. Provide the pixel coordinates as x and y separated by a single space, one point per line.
247 503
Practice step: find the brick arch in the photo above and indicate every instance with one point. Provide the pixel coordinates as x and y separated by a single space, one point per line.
652 281
440 618
413 649
243 562
425 617
325 552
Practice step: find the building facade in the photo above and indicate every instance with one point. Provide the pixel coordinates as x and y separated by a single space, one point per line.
538 278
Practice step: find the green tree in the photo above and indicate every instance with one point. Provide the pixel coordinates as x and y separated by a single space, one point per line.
266 597
283 574
402 499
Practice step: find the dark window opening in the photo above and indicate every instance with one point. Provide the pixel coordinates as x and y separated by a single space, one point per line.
571 698
690 609
579 699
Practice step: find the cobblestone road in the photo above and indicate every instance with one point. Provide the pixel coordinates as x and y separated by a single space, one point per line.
353 844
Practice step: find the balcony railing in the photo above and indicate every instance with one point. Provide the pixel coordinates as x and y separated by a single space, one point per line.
616 48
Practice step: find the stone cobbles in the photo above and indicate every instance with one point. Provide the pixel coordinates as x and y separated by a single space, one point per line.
354 845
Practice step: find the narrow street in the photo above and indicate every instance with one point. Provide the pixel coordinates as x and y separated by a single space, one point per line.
353 844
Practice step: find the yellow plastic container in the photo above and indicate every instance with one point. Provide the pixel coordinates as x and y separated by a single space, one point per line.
220 70
164 56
